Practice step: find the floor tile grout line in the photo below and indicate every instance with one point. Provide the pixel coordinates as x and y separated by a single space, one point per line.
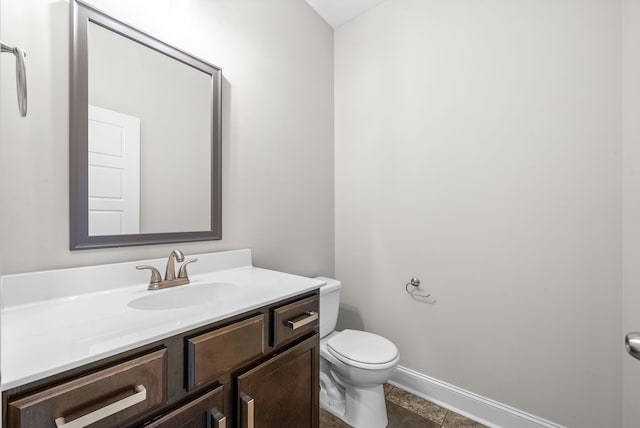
445 417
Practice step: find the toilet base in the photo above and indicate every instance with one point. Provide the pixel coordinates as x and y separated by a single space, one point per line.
333 406
361 407
332 396
365 407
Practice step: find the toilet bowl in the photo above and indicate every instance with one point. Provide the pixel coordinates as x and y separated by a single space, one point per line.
354 365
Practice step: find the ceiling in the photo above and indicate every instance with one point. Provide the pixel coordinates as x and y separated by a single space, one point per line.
338 12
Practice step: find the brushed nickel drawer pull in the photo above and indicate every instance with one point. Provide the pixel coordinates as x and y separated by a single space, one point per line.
106 411
248 411
219 420
310 317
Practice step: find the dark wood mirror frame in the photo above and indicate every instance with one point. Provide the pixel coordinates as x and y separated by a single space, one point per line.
81 15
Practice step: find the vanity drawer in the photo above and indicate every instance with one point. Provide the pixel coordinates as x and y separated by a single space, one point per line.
218 351
295 319
106 398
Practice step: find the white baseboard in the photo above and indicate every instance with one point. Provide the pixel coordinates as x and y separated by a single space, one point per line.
481 409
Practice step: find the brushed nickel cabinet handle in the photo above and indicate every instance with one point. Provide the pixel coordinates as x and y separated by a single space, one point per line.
106 411
310 317
248 411
218 420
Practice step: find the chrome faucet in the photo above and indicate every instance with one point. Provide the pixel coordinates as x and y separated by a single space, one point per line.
156 282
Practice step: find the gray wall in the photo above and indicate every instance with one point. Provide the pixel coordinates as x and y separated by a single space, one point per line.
478 148
631 206
277 62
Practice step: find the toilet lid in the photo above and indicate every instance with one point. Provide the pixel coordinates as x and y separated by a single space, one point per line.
361 348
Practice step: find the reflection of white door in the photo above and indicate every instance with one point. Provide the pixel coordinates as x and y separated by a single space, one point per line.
114 172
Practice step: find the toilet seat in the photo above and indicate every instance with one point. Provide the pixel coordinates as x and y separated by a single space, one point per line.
363 350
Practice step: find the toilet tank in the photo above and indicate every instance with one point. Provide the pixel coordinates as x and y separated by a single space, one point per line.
329 304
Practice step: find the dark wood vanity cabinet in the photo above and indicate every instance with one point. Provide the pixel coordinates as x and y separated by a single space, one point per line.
259 369
282 391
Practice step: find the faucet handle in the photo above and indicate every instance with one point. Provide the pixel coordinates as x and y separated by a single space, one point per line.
182 273
156 278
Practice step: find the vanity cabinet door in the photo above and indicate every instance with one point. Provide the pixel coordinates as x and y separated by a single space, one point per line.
202 412
283 391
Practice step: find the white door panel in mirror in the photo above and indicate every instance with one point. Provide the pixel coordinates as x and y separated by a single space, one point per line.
114 172
105 223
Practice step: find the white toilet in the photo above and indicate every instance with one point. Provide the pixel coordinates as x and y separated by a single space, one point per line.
353 367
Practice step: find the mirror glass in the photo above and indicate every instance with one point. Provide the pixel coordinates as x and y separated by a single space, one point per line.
149 164
145 138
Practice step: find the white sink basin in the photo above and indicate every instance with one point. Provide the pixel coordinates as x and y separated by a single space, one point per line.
183 296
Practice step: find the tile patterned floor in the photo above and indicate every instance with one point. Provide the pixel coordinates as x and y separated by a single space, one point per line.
405 410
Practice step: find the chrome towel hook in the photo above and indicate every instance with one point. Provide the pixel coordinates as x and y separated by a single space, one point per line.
21 75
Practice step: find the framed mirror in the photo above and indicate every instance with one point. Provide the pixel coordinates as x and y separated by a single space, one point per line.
145 163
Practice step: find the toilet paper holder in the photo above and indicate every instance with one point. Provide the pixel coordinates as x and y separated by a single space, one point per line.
416 293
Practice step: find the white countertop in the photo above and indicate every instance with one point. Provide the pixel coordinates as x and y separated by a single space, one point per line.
44 337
